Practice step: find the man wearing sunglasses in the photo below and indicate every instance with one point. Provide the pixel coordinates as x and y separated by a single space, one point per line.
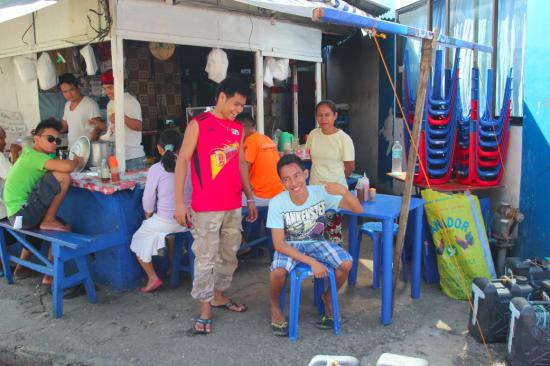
38 182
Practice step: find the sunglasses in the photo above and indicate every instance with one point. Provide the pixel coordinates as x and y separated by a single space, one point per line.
51 139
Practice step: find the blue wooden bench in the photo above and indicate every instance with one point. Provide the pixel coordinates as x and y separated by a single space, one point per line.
66 246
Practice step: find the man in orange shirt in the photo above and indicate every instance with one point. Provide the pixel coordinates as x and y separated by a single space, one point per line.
261 154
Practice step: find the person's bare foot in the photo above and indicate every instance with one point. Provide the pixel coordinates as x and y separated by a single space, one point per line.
54 225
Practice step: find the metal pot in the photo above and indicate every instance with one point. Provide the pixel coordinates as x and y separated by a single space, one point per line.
100 150
24 141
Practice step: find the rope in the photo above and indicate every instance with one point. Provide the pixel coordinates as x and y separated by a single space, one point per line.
445 233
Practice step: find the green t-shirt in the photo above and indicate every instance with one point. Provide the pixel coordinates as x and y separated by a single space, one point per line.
22 178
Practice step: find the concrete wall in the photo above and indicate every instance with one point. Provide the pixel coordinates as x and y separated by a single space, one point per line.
19 111
353 78
534 233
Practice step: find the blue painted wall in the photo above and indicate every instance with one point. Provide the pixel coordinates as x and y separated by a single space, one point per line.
534 233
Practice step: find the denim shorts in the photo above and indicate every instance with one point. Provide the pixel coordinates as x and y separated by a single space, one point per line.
323 251
38 202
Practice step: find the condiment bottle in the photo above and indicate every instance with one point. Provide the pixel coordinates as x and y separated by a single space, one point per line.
362 188
104 172
113 165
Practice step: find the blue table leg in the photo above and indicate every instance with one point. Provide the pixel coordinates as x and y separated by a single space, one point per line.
417 252
353 248
4 257
387 256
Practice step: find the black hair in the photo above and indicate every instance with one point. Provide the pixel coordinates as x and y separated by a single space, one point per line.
47 123
290 159
169 137
232 85
329 103
68 78
246 119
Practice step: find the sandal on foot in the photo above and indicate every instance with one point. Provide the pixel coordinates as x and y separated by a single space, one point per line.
279 329
328 322
230 305
205 322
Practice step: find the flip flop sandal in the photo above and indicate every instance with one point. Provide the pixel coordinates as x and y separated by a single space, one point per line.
194 331
279 329
231 304
328 323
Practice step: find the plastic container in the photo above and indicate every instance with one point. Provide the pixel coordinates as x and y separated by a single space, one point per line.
285 137
104 173
113 166
326 360
390 359
491 301
396 158
362 188
536 270
529 333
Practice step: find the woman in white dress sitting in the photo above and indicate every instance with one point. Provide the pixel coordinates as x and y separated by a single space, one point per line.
158 204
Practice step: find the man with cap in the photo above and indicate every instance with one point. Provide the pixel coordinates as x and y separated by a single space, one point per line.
133 125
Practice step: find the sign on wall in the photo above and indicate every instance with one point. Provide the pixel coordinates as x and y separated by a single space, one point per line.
12 123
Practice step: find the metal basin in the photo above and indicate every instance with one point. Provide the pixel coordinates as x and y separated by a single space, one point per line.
100 150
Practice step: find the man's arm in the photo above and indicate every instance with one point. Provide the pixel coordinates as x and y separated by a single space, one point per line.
349 201
63 166
243 169
64 126
133 123
279 244
188 147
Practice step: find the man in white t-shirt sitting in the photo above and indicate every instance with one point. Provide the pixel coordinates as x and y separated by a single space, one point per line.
133 125
81 114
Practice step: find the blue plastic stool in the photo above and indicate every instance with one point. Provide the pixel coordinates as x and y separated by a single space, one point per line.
177 265
374 230
297 275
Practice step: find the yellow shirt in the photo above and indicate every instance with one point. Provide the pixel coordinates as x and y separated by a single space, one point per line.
328 153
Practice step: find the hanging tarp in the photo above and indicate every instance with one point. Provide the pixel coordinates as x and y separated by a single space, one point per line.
11 9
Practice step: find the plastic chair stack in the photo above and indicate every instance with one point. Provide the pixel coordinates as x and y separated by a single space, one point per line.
473 147
438 135
482 150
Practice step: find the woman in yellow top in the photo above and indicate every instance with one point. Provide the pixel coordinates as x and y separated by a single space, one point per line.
332 158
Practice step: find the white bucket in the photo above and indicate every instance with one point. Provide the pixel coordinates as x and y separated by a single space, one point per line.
390 359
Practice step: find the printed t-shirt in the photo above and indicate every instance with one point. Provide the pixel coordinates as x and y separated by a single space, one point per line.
22 178
304 222
261 152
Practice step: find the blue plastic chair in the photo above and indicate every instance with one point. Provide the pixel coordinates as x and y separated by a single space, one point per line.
374 231
297 275
178 265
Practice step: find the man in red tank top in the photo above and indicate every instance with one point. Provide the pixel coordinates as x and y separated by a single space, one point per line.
213 145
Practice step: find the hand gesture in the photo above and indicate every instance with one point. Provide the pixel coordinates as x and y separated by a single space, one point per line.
319 270
79 161
335 188
182 216
252 212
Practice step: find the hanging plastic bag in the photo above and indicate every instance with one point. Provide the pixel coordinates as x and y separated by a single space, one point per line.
26 68
269 63
87 52
45 69
216 65
459 237
281 69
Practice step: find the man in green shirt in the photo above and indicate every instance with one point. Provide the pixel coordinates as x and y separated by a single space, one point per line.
37 183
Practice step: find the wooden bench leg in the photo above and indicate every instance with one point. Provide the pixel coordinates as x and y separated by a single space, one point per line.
4 258
58 276
82 265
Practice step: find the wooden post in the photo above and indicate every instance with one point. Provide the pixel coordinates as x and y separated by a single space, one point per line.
428 47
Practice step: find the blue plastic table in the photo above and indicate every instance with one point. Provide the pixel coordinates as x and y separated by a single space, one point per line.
118 215
387 208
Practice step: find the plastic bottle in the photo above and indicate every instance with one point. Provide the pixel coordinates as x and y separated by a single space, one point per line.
362 188
104 172
396 158
113 165
276 136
